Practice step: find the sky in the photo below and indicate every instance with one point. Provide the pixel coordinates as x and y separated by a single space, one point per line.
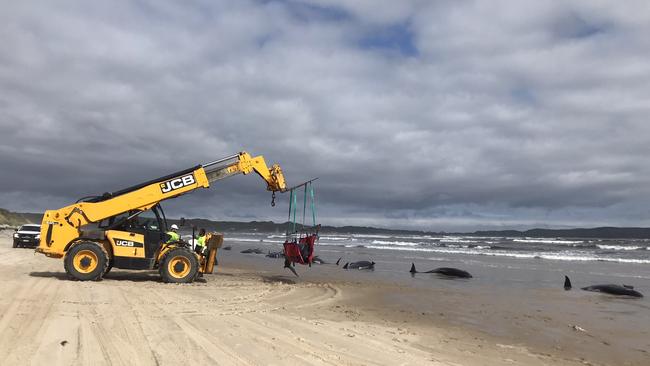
429 115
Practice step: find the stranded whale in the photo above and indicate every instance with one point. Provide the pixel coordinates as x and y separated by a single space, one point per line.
618 290
445 271
359 265
275 254
253 251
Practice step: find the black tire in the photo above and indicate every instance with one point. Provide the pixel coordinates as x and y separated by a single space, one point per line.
86 261
179 265
15 244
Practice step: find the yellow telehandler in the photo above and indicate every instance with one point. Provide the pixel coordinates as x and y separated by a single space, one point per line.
128 229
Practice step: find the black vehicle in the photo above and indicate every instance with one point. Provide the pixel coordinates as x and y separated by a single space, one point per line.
27 236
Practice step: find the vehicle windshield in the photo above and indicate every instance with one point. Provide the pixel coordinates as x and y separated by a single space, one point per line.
148 220
36 228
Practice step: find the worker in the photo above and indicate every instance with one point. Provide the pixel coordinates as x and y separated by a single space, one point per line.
173 234
200 241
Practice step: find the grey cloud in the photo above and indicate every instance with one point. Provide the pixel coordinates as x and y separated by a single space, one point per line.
508 114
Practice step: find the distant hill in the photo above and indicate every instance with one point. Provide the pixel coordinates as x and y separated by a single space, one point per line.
12 219
272 227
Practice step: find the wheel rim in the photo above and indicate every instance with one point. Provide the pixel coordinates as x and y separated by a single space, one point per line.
179 267
85 261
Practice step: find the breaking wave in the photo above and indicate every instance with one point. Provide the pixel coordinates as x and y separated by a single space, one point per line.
619 247
549 256
402 243
547 241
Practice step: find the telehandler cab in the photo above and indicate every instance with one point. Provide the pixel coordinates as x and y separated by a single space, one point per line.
127 229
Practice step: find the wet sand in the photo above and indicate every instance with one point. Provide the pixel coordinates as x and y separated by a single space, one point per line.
565 325
251 312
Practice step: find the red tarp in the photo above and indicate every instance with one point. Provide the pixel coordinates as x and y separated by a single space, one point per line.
301 252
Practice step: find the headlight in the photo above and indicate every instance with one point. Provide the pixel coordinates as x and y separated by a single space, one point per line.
16 235
38 236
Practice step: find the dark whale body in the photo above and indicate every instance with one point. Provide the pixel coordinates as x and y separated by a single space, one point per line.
359 265
253 251
618 290
445 271
275 254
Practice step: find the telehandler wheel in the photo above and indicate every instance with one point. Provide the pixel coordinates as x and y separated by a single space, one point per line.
179 265
86 261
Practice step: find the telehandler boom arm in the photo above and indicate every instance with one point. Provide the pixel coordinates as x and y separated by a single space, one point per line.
63 226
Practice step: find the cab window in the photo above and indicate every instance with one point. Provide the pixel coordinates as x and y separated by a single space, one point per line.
148 221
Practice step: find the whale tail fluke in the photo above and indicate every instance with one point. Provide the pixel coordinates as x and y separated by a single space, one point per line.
337 262
567 283
287 264
413 268
346 265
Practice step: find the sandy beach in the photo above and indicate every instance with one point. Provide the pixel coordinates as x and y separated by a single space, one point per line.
248 316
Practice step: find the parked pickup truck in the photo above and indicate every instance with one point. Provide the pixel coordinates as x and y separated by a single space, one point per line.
27 236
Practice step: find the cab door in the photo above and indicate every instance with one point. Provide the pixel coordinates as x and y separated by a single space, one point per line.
150 225
135 238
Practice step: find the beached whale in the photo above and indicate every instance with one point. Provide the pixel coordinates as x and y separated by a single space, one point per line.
359 265
275 254
253 251
318 260
618 290
445 271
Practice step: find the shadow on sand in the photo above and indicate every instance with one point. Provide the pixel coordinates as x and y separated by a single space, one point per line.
139 276
57 275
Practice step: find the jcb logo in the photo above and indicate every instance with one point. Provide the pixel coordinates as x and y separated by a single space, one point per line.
177 183
127 243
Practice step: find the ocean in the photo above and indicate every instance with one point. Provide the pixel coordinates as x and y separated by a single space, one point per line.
493 261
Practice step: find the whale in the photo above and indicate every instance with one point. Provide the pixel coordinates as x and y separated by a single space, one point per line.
275 254
617 290
318 260
288 264
445 271
253 251
359 265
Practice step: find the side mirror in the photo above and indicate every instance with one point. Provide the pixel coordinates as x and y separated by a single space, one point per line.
182 223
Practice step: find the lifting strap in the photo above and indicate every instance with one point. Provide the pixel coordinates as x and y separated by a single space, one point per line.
293 205
299 246
313 207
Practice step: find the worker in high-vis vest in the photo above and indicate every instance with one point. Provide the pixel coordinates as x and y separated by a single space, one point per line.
173 234
200 241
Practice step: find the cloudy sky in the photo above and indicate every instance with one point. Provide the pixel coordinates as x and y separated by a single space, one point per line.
435 115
